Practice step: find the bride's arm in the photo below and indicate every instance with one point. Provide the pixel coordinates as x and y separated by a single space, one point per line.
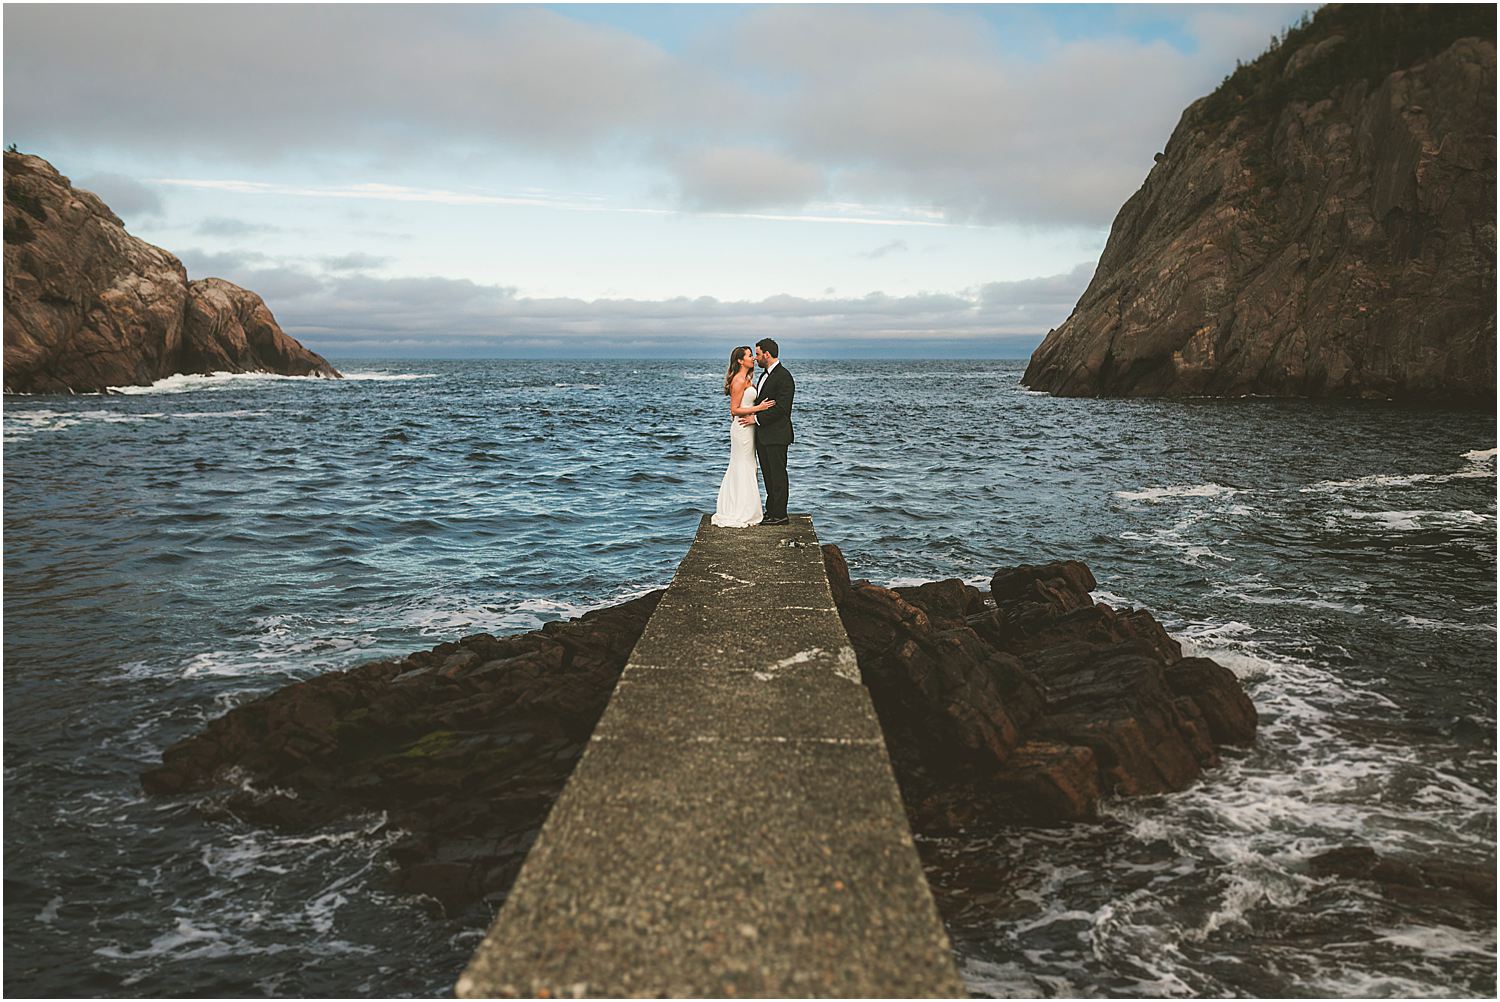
736 392
752 409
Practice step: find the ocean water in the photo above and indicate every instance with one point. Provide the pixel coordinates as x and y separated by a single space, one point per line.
174 551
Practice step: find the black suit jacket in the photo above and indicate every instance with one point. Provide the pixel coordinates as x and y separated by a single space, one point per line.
774 425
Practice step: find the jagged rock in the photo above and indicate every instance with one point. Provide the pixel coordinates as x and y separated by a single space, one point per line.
1321 225
1032 702
1429 880
1030 707
464 746
88 306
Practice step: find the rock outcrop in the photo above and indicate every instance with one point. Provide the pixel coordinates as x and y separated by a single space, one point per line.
465 747
1028 703
1428 881
1322 225
88 306
1032 702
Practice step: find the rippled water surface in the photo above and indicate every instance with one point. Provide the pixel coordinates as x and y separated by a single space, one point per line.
174 552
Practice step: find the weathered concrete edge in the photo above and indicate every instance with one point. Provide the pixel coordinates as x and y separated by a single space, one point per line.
835 659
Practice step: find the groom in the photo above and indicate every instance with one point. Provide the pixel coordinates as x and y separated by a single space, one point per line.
773 428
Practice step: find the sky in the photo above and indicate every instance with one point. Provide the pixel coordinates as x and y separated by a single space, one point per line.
660 180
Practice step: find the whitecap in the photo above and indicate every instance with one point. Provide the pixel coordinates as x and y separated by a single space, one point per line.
1420 623
1256 591
1188 552
1179 491
1407 521
185 382
192 415
1478 463
388 377
48 914
20 425
1114 601
1440 941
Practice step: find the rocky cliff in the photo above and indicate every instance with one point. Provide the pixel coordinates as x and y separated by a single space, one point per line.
1322 225
89 306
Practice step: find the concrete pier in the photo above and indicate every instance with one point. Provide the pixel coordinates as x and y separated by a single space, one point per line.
733 827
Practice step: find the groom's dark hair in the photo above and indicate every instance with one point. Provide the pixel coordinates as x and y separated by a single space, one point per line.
768 346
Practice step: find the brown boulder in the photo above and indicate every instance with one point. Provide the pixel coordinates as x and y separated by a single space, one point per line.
1032 701
1427 879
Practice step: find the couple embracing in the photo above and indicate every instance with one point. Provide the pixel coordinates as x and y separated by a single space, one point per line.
761 426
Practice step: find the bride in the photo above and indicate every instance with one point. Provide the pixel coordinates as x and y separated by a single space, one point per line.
739 494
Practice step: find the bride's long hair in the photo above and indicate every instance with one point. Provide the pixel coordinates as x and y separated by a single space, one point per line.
734 365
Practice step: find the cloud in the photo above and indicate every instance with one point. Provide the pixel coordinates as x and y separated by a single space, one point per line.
720 187
884 249
224 226
743 178
363 314
127 197
261 82
923 105
200 263
955 110
355 261
274 281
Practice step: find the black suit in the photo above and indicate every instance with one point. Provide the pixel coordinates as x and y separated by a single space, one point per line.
773 433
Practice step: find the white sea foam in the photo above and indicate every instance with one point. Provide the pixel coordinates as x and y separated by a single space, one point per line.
20 425
1441 941
187 382
1255 590
504 616
1408 521
1113 600
1190 553
1420 623
1478 463
1250 826
193 415
388 377
1179 491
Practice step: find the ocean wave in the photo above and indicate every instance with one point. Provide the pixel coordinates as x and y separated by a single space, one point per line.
1443 626
509 614
1478 464
1179 491
1255 590
187 382
1322 774
1175 539
22 425
1407 521
25 423
388 377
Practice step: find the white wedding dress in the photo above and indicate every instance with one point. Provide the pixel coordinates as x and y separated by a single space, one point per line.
739 494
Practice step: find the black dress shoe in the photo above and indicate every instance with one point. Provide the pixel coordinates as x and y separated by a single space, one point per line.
783 520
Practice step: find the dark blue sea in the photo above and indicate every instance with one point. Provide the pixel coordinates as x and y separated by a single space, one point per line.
177 550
